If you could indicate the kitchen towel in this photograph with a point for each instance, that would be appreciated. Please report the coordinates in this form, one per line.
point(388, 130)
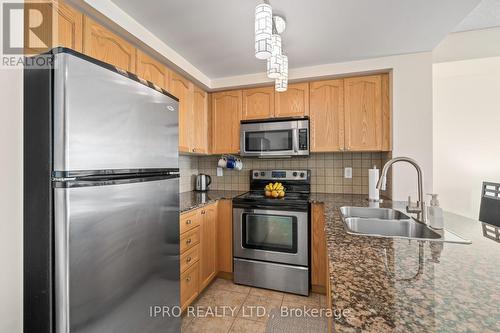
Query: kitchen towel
point(373, 193)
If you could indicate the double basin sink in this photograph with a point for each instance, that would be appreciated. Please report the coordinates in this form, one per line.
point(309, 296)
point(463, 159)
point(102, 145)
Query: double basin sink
point(386, 222)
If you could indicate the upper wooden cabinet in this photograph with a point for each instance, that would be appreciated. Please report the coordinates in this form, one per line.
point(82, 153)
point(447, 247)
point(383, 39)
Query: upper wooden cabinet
point(258, 103)
point(363, 113)
point(226, 115)
point(200, 121)
point(66, 29)
point(152, 70)
point(208, 243)
point(294, 102)
point(327, 116)
point(102, 44)
point(183, 90)
point(386, 114)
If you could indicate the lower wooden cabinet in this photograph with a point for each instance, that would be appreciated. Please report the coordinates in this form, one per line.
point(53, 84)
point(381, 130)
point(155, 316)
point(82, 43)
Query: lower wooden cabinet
point(198, 251)
point(318, 248)
point(189, 285)
point(208, 245)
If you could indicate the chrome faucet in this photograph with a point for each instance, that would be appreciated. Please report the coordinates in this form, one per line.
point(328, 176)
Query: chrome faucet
point(419, 208)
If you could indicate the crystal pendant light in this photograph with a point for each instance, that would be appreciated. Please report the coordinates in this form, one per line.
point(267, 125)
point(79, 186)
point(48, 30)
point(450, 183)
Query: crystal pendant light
point(263, 31)
point(275, 62)
point(281, 83)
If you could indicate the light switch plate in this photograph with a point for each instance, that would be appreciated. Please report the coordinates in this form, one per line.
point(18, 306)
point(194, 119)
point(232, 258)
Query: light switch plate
point(348, 172)
point(220, 173)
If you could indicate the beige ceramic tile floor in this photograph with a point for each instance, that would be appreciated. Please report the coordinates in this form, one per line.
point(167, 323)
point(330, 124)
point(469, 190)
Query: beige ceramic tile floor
point(243, 301)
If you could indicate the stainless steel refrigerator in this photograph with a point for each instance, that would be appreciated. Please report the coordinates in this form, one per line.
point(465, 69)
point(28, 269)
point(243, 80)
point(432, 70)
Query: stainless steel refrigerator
point(101, 199)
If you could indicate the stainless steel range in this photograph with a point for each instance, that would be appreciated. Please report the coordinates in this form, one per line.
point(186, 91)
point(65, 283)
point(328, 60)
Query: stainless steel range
point(271, 236)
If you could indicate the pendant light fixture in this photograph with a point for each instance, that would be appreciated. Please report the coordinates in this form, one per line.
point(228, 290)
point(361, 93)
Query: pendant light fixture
point(281, 83)
point(268, 44)
point(275, 62)
point(263, 31)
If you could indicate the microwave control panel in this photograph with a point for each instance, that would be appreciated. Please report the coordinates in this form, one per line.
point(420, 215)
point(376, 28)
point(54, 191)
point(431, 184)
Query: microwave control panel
point(303, 138)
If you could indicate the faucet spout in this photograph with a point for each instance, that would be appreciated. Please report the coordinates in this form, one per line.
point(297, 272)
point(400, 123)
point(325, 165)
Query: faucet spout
point(419, 209)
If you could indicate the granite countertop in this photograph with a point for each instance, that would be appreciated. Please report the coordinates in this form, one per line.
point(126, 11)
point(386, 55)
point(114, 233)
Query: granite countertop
point(455, 288)
point(191, 200)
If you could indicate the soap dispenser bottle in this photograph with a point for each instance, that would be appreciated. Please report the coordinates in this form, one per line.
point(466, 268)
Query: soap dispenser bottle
point(435, 213)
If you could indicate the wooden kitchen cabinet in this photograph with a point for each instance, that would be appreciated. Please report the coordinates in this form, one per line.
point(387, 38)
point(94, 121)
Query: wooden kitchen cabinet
point(189, 285)
point(225, 236)
point(294, 102)
point(208, 245)
point(152, 70)
point(200, 121)
point(363, 113)
point(226, 115)
point(386, 114)
point(184, 91)
point(104, 45)
point(66, 29)
point(318, 248)
point(327, 115)
point(258, 103)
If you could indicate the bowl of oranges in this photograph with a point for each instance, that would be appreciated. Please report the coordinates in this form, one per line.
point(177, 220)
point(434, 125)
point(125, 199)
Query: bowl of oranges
point(275, 190)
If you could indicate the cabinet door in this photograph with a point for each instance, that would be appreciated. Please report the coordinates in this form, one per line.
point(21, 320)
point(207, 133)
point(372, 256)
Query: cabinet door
point(363, 113)
point(294, 102)
point(226, 115)
point(327, 116)
point(318, 249)
point(258, 103)
point(225, 236)
point(102, 44)
point(183, 90)
point(200, 111)
point(386, 114)
point(66, 30)
point(208, 243)
point(152, 70)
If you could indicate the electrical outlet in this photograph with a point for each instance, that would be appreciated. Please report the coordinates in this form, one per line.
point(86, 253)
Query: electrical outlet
point(220, 172)
point(348, 172)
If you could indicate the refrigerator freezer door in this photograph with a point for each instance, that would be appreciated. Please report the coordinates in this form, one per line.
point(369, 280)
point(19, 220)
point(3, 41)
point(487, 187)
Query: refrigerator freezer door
point(104, 120)
point(117, 255)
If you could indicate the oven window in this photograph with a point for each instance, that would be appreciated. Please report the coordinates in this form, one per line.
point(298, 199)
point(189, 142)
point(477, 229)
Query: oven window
point(268, 141)
point(270, 232)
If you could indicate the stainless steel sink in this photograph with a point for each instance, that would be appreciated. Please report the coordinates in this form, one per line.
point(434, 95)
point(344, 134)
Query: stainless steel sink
point(404, 228)
point(386, 222)
point(373, 213)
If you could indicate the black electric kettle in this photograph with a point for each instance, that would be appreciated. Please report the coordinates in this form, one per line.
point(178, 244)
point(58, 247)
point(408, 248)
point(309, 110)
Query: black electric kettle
point(202, 182)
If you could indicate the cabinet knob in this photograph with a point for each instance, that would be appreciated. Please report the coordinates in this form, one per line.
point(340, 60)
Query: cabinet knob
point(189, 222)
point(188, 279)
point(188, 241)
point(188, 259)
point(203, 212)
point(193, 150)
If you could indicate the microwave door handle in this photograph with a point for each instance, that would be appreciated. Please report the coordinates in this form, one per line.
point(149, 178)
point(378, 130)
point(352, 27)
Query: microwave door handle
point(295, 140)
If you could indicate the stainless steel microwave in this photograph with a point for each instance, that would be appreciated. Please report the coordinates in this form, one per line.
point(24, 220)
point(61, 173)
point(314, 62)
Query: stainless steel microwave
point(283, 137)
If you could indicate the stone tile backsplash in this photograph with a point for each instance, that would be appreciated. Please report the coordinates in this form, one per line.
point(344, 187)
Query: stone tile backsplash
point(327, 171)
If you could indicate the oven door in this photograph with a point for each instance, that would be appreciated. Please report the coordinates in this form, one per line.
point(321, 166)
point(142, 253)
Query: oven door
point(271, 235)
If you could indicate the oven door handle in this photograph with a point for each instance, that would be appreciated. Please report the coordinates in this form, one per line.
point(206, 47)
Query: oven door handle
point(273, 212)
point(295, 140)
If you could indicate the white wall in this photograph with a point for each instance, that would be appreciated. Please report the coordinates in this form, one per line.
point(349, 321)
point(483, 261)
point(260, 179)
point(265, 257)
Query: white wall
point(11, 239)
point(468, 45)
point(466, 131)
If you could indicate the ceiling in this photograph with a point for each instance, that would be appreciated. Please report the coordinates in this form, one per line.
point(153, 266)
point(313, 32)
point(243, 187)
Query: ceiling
point(216, 36)
point(485, 15)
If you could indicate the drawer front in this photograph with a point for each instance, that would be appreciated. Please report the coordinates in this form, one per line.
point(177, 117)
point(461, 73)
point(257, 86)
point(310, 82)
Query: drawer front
point(189, 239)
point(189, 258)
point(189, 220)
point(189, 285)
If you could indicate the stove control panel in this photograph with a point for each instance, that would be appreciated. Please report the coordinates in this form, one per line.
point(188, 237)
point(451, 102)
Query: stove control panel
point(280, 174)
